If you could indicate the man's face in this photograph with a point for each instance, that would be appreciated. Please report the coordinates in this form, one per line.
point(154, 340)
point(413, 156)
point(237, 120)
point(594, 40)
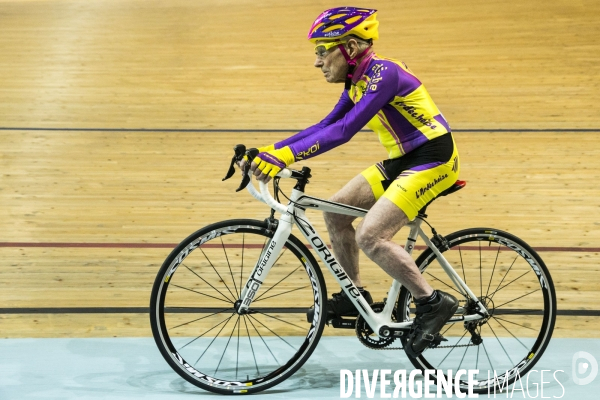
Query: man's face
point(332, 64)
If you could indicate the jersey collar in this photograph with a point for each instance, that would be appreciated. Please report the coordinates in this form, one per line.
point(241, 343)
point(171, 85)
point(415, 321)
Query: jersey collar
point(362, 67)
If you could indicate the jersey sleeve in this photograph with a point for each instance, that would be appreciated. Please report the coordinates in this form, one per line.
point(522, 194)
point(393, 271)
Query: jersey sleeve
point(381, 88)
point(343, 105)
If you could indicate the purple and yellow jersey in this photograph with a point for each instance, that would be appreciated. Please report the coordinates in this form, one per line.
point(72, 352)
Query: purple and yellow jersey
point(389, 99)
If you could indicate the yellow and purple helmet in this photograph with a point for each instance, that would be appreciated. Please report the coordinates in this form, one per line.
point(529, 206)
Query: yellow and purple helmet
point(338, 22)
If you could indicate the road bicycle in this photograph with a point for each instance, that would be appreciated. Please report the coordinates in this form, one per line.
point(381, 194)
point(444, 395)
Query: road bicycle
point(229, 305)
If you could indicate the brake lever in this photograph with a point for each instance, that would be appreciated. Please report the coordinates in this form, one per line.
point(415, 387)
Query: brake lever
point(239, 150)
point(251, 154)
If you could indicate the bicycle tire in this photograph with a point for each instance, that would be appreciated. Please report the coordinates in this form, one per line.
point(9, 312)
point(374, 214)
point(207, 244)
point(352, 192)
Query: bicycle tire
point(192, 304)
point(487, 252)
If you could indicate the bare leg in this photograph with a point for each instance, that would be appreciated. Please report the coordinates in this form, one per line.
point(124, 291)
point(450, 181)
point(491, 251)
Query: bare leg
point(374, 237)
point(342, 235)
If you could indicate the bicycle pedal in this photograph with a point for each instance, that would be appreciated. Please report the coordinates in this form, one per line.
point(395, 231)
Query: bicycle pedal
point(437, 340)
point(343, 323)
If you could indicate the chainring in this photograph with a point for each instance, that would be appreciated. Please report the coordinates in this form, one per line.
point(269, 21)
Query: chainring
point(365, 334)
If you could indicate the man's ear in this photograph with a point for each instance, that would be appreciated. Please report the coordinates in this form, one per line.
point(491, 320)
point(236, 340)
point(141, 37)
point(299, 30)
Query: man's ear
point(352, 48)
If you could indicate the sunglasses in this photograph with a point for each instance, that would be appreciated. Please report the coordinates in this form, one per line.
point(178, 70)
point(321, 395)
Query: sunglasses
point(322, 48)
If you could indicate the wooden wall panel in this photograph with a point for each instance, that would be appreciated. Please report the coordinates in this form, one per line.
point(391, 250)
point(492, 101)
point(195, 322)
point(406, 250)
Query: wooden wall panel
point(221, 66)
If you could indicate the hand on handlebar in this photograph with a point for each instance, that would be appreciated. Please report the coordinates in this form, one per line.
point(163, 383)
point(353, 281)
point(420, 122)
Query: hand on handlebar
point(241, 163)
point(265, 167)
point(268, 163)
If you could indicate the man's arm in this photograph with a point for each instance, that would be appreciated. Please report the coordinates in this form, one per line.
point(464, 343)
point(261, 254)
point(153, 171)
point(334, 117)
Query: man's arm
point(384, 85)
point(342, 107)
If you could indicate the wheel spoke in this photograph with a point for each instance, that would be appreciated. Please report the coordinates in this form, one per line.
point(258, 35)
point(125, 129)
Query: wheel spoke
point(237, 354)
point(447, 329)
point(198, 337)
point(451, 350)
point(516, 279)
point(251, 346)
point(242, 269)
point(284, 278)
point(230, 270)
point(463, 357)
point(197, 292)
point(480, 273)
point(517, 298)
point(517, 311)
point(488, 356)
point(510, 333)
point(505, 275)
point(282, 293)
point(444, 283)
point(514, 323)
point(279, 319)
point(204, 280)
point(227, 344)
point(219, 275)
point(269, 329)
point(198, 319)
point(216, 336)
point(462, 264)
point(280, 255)
point(499, 342)
point(493, 270)
point(261, 338)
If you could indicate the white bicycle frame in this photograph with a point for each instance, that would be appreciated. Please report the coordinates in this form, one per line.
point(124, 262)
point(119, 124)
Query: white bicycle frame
point(294, 213)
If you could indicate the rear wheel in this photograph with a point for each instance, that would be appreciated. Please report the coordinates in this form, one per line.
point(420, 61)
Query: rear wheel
point(195, 324)
point(513, 283)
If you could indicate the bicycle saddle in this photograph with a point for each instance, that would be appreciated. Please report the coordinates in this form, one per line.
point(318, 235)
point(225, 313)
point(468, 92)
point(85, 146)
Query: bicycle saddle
point(454, 188)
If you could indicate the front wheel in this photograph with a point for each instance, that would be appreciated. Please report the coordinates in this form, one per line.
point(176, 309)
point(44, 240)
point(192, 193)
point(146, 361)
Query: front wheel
point(514, 285)
point(193, 317)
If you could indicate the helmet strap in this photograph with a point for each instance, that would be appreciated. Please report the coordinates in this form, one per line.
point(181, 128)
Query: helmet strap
point(351, 64)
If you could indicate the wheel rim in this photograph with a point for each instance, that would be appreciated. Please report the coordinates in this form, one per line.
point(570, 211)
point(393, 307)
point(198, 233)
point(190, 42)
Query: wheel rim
point(208, 341)
point(507, 277)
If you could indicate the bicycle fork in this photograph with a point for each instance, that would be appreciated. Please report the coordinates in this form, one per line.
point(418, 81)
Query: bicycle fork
point(265, 262)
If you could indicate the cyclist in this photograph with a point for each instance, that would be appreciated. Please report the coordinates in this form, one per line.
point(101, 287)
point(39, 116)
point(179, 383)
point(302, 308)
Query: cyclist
point(386, 96)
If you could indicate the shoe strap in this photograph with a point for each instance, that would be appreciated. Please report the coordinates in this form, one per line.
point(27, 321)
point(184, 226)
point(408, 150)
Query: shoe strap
point(421, 309)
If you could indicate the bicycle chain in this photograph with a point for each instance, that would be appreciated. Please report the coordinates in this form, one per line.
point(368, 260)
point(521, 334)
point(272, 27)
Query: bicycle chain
point(402, 348)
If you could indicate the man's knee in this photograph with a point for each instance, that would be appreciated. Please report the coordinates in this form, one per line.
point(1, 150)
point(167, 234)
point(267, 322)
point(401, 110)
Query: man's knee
point(368, 239)
point(379, 227)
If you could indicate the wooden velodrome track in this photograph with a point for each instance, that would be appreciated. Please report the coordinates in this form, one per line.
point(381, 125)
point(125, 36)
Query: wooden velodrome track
point(117, 119)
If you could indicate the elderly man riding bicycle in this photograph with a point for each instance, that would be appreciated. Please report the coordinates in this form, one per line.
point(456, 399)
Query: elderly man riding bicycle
point(386, 96)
